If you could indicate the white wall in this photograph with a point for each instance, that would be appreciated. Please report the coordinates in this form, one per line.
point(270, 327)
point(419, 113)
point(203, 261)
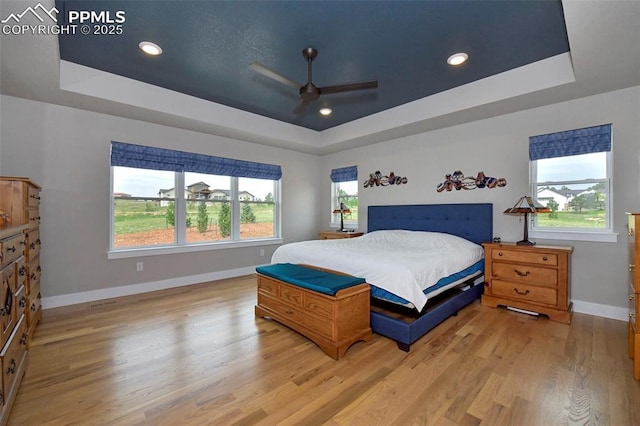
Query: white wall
point(499, 147)
point(67, 152)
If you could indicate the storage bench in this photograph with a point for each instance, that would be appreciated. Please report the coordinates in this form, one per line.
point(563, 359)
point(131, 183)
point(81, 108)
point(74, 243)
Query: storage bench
point(330, 309)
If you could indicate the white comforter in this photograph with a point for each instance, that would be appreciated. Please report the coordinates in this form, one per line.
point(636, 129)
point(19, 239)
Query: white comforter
point(401, 262)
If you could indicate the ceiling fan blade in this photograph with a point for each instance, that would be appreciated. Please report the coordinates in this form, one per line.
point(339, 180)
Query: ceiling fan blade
point(349, 87)
point(268, 72)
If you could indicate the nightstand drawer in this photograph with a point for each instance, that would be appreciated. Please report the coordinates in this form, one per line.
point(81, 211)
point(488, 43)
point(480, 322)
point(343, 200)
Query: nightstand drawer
point(524, 292)
point(526, 257)
point(525, 274)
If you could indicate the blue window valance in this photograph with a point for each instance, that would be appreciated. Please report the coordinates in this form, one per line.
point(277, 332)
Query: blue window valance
point(570, 142)
point(344, 174)
point(146, 157)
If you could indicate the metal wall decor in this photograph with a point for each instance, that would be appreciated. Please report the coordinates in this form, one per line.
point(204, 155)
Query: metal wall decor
point(376, 179)
point(458, 181)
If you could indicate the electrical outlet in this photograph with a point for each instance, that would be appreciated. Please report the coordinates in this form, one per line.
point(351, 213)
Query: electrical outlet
point(139, 266)
point(261, 252)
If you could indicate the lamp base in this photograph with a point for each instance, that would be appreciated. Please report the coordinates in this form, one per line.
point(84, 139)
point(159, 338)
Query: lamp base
point(525, 243)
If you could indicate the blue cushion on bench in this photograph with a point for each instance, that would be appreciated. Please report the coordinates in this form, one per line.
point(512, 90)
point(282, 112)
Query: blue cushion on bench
point(310, 278)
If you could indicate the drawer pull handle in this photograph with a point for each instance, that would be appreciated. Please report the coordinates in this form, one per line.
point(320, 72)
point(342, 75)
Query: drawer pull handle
point(23, 302)
point(499, 253)
point(11, 369)
point(39, 269)
point(521, 293)
point(632, 267)
point(545, 258)
point(22, 271)
point(33, 307)
point(632, 315)
point(632, 296)
point(33, 276)
point(23, 339)
point(11, 249)
point(520, 273)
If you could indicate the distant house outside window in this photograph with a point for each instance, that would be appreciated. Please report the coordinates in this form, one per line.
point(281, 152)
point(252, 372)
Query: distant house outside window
point(571, 175)
point(149, 213)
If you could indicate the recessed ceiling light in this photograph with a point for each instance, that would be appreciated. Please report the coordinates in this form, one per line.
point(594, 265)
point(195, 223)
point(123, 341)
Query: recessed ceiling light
point(326, 111)
point(150, 48)
point(457, 58)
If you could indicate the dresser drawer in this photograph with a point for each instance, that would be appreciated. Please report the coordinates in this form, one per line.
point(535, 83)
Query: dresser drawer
point(21, 301)
point(21, 272)
point(525, 274)
point(33, 243)
point(11, 248)
point(33, 197)
point(526, 257)
point(34, 305)
point(8, 278)
point(35, 271)
point(267, 285)
point(524, 292)
point(33, 217)
point(291, 295)
point(13, 355)
point(297, 316)
point(318, 305)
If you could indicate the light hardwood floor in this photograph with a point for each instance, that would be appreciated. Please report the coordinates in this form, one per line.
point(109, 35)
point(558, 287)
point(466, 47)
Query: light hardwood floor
point(197, 355)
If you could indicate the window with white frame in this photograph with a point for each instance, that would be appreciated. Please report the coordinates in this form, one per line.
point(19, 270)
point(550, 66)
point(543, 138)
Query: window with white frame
point(221, 200)
point(571, 175)
point(344, 196)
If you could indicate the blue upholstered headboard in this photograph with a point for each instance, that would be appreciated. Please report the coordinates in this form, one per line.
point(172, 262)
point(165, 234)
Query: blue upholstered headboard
point(473, 222)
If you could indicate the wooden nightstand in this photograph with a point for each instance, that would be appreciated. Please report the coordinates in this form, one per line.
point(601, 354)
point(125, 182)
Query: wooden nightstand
point(336, 235)
point(534, 278)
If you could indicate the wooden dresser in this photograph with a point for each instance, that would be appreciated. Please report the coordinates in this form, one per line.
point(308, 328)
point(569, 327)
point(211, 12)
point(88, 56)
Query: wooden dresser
point(20, 308)
point(634, 292)
point(534, 278)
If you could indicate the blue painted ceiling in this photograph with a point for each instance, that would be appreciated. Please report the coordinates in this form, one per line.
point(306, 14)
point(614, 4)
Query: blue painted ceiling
point(209, 45)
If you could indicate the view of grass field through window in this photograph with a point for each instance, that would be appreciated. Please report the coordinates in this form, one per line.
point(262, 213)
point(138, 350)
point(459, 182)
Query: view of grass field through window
point(141, 219)
point(575, 189)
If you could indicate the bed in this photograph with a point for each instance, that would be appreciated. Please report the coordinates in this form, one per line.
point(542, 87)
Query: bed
point(404, 314)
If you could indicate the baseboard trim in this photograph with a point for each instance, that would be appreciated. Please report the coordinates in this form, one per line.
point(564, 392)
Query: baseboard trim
point(598, 310)
point(127, 290)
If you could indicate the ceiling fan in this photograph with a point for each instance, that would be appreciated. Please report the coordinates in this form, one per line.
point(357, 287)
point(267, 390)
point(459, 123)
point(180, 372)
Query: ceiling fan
point(310, 92)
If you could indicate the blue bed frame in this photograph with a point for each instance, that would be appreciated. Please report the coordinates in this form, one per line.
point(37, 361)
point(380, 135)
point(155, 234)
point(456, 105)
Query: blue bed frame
point(471, 221)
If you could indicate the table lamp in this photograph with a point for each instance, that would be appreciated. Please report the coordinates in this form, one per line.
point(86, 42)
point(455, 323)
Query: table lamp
point(526, 206)
point(342, 210)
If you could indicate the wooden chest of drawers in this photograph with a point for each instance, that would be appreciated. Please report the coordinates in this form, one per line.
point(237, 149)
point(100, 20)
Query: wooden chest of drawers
point(334, 323)
point(19, 282)
point(533, 278)
point(634, 292)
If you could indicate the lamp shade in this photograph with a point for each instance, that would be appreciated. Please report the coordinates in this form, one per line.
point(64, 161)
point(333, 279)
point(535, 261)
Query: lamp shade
point(526, 206)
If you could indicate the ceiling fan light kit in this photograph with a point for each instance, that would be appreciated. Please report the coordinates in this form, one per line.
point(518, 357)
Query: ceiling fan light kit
point(309, 92)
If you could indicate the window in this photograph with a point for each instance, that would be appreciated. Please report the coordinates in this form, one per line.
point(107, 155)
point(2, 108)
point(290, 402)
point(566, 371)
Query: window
point(344, 189)
point(571, 175)
point(222, 201)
